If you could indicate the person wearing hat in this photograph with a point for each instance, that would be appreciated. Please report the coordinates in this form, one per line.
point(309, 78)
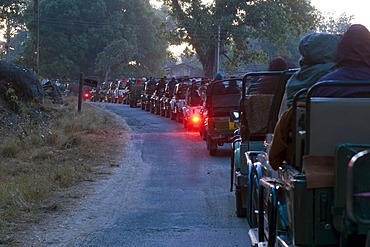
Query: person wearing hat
point(267, 84)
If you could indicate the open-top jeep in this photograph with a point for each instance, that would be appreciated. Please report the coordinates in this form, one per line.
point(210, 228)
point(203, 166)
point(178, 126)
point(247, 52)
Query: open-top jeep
point(135, 94)
point(148, 90)
point(192, 107)
point(258, 114)
point(222, 97)
point(322, 197)
point(178, 100)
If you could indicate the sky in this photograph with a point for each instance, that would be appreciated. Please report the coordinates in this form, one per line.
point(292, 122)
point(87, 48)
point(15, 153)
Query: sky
point(357, 8)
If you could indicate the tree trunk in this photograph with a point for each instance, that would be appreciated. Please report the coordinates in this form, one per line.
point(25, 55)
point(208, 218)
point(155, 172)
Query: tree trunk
point(208, 62)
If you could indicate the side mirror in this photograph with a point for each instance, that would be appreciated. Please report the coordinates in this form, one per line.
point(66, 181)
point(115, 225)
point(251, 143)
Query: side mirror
point(234, 116)
point(234, 120)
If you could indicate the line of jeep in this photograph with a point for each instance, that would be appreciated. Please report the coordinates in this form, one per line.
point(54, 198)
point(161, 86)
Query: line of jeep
point(321, 197)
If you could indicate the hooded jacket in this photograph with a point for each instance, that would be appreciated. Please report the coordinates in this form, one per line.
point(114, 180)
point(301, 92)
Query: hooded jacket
point(318, 57)
point(353, 61)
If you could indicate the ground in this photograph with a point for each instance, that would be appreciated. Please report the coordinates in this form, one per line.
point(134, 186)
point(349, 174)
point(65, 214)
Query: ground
point(30, 227)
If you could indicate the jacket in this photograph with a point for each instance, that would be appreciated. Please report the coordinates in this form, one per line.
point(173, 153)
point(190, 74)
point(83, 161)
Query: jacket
point(353, 61)
point(318, 57)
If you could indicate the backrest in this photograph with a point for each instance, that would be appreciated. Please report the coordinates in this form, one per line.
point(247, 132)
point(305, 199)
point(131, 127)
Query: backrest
point(268, 106)
point(326, 122)
point(218, 101)
point(137, 87)
point(343, 156)
point(218, 89)
point(337, 127)
point(256, 109)
point(226, 100)
point(331, 120)
point(336, 120)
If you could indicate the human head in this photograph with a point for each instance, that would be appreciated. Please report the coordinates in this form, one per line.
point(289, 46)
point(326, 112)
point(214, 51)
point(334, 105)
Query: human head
point(354, 47)
point(278, 64)
point(318, 48)
point(218, 77)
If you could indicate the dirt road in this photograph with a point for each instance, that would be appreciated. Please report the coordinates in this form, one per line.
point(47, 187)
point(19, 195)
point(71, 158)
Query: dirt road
point(167, 191)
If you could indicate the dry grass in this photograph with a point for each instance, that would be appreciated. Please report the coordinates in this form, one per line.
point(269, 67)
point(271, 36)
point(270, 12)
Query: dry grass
point(47, 150)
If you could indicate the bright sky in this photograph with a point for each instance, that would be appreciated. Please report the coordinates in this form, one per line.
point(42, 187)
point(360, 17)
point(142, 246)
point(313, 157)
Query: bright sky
point(357, 8)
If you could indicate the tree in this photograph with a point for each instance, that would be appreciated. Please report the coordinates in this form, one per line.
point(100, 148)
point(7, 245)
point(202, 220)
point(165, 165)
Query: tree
point(141, 49)
point(80, 35)
point(10, 21)
point(328, 23)
point(234, 23)
point(113, 55)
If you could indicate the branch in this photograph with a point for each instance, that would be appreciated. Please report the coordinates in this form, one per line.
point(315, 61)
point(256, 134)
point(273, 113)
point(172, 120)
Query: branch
point(228, 58)
point(180, 13)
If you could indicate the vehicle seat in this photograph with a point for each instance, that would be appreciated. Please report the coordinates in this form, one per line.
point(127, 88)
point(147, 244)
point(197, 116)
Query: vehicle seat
point(218, 88)
point(257, 109)
point(331, 122)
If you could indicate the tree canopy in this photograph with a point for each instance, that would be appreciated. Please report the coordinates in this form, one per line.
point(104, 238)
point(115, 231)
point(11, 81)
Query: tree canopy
point(235, 23)
point(10, 20)
point(111, 38)
point(107, 38)
point(328, 23)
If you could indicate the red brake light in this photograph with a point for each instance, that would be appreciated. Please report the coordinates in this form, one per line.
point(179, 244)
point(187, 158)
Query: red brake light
point(195, 119)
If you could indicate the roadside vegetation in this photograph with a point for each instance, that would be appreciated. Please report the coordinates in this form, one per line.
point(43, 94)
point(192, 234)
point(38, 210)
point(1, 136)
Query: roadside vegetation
point(47, 150)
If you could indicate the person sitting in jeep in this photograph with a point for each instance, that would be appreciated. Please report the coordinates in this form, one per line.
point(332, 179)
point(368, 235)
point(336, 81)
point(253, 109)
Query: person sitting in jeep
point(194, 99)
point(232, 88)
point(171, 86)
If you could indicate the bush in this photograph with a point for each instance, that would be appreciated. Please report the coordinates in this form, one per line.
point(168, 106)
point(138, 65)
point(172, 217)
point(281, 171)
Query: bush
point(50, 148)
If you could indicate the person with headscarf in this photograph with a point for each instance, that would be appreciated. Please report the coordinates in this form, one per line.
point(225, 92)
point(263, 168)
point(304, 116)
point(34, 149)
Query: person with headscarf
point(318, 58)
point(353, 62)
point(318, 54)
point(268, 84)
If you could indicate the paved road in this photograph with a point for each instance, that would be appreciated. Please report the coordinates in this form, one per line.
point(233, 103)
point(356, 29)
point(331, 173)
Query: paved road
point(168, 191)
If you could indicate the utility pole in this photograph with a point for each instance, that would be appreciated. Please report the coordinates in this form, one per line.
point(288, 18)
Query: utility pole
point(7, 34)
point(37, 36)
point(80, 88)
point(218, 49)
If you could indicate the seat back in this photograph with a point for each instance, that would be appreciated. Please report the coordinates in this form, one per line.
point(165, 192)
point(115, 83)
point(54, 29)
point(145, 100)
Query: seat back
point(336, 120)
point(220, 102)
point(337, 127)
point(256, 109)
point(331, 121)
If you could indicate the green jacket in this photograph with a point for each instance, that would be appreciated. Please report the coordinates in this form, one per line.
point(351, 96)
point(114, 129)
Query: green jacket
point(318, 57)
